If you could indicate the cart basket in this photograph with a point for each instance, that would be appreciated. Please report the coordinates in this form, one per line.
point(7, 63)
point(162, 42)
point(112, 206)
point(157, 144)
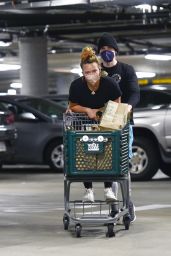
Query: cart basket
point(89, 152)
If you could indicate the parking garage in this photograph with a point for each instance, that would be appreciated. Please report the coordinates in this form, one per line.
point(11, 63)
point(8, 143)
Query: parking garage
point(43, 41)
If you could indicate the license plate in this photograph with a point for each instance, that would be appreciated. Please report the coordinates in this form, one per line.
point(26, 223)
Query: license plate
point(2, 146)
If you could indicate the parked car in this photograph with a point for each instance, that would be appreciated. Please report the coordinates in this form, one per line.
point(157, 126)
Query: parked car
point(8, 135)
point(152, 133)
point(40, 130)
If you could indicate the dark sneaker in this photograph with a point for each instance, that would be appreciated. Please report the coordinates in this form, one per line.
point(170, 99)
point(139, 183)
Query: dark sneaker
point(132, 211)
point(114, 210)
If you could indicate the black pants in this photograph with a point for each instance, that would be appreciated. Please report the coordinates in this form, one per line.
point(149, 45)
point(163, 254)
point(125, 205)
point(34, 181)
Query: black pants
point(89, 184)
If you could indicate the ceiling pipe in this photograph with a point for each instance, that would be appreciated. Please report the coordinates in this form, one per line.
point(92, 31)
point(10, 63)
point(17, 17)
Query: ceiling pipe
point(63, 3)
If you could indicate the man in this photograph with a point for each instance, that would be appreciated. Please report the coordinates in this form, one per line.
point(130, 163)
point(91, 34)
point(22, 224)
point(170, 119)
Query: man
point(126, 78)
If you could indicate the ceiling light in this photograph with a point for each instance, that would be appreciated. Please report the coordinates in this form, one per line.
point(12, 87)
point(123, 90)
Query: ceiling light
point(53, 51)
point(4, 44)
point(11, 91)
point(16, 85)
point(145, 74)
point(6, 67)
point(158, 57)
point(146, 7)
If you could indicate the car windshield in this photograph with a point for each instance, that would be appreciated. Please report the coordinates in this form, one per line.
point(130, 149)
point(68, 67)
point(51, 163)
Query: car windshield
point(62, 100)
point(44, 106)
point(63, 103)
point(150, 98)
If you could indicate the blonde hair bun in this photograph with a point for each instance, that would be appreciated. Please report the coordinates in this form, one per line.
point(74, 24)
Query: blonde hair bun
point(88, 55)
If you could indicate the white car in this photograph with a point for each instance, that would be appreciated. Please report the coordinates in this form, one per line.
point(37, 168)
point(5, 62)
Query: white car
point(152, 133)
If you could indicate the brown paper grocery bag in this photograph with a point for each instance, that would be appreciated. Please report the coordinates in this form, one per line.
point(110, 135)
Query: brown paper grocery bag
point(115, 116)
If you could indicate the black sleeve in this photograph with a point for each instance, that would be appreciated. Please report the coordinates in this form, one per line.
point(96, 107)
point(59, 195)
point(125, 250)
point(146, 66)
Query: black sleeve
point(73, 93)
point(115, 91)
point(133, 90)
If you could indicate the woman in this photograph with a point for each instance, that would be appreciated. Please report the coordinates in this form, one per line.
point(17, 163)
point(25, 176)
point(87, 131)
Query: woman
point(87, 95)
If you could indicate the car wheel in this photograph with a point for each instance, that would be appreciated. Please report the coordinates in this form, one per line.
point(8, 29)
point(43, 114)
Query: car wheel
point(144, 163)
point(166, 169)
point(54, 155)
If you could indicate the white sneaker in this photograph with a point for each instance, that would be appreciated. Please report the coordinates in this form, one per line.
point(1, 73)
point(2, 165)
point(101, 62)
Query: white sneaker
point(109, 195)
point(89, 195)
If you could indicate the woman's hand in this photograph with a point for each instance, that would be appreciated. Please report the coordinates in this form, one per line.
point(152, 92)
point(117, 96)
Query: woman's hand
point(68, 111)
point(91, 113)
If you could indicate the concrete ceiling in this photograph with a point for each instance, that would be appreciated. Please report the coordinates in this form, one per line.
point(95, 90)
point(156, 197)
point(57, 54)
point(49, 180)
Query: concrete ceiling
point(70, 25)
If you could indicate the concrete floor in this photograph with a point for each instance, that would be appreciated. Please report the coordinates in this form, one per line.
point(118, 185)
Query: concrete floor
point(32, 211)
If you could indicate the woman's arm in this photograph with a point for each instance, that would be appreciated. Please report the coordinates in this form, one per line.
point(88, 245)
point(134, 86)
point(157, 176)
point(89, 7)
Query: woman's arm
point(80, 109)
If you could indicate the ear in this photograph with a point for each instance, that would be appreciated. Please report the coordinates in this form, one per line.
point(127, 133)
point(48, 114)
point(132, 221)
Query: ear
point(116, 53)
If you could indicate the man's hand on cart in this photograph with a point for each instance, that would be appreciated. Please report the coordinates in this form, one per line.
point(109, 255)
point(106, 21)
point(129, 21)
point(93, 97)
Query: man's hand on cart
point(129, 108)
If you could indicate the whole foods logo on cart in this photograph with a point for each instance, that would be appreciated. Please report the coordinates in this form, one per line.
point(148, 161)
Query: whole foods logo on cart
point(93, 147)
point(93, 144)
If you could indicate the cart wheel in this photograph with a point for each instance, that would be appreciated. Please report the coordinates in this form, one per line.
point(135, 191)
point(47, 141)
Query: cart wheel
point(126, 221)
point(110, 230)
point(66, 222)
point(78, 229)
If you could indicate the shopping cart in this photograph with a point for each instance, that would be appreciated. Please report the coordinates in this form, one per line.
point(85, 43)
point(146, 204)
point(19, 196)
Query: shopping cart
point(96, 156)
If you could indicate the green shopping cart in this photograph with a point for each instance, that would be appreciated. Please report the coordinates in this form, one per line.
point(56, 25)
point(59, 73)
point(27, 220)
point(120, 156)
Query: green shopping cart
point(91, 155)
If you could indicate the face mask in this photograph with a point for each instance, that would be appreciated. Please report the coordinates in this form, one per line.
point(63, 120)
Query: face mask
point(92, 78)
point(107, 56)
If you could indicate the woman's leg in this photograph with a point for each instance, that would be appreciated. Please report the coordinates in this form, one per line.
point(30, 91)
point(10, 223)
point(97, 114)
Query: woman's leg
point(88, 185)
point(89, 193)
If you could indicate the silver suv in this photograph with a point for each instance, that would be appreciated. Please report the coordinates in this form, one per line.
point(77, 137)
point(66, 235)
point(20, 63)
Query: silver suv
point(152, 133)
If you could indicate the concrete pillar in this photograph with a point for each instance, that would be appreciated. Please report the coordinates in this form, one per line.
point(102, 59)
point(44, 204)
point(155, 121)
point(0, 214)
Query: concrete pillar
point(63, 82)
point(34, 71)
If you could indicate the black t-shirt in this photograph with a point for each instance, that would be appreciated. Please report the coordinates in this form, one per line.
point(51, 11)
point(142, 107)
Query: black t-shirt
point(126, 78)
point(80, 93)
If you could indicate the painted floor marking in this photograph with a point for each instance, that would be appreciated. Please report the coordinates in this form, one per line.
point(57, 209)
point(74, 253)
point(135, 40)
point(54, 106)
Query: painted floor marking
point(49, 208)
